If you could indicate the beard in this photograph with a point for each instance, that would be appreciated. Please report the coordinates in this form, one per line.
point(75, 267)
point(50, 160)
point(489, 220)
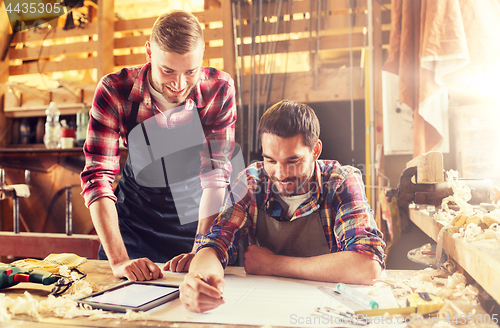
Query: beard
point(168, 94)
point(296, 184)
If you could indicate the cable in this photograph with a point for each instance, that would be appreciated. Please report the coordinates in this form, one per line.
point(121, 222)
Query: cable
point(289, 29)
point(380, 3)
point(351, 78)
point(40, 55)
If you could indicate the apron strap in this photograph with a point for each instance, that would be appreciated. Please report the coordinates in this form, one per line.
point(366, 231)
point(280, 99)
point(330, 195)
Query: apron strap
point(132, 119)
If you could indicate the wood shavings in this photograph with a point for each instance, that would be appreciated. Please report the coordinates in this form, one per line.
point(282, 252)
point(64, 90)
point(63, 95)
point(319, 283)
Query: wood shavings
point(449, 310)
point(80, 288)
point(4, 315)
point(61, 307)
point(24, 305)
point(398, 287)
point(135, 316)
point(461, 193)
point(439, 282)
point(468, 223)
point(374, 291)
point(474, 232)
point(450, 266)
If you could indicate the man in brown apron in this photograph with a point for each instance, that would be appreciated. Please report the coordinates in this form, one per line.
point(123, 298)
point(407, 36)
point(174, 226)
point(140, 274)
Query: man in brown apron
point(305, 218)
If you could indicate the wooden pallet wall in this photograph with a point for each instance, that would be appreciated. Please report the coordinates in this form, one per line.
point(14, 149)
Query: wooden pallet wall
point(294, 31)
point(318, 28)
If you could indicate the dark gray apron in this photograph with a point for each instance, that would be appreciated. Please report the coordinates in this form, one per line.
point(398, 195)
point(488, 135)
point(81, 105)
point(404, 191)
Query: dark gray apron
point(148, 217)
point(303, 237)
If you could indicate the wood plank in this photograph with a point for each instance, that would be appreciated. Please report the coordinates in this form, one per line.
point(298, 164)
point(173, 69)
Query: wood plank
point(4, 75)
point(56, 33)
point(209, 15)
point(335, 8)
point(427, 224)
point(302, 26)
point(210, 34)
point(137, 59)
point(55, 50)
point(135, 24)
point(333, 86)
point(298, 7)
point(140, 40)
point(481, 263)
point(39, 245)
point(130, 60)
point(131, 41)
point(33, 111)
point(105, 41)
point(327, 42)
point(212, 15)
point(228, 53)
point(429, 167)
point(53, 66)
point(100, 275)
point(378, 61)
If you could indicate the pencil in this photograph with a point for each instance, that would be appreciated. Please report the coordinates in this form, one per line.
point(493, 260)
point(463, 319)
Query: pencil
point(199, 276)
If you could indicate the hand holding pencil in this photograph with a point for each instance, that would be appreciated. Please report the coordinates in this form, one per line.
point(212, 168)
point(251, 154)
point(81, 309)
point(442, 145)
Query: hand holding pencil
point(200, 294)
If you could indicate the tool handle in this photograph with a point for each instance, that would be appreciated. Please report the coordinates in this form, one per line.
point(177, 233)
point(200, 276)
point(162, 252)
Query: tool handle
point(7, 273)
point(43, 277)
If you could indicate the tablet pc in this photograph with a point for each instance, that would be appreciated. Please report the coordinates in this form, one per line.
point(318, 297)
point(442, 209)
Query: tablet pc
point(131, 295)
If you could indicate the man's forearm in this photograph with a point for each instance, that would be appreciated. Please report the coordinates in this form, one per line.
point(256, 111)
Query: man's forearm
point(210, 204)
point(105, 219)
point(207, 263)
point(346, 267)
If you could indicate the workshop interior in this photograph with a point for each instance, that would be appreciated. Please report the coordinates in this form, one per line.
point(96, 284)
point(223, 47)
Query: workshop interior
point(405, 91)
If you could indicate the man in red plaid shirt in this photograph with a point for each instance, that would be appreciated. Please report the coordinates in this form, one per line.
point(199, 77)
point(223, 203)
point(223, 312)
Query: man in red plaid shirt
point(177, 120)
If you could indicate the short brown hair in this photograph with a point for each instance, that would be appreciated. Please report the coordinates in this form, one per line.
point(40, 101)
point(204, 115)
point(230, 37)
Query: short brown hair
point(288, 118)
point(177, 31)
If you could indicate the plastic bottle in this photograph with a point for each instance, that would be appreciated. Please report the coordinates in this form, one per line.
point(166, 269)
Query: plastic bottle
point(25, 131)
point(82, 122)
point(39, 130)
point(52, 127)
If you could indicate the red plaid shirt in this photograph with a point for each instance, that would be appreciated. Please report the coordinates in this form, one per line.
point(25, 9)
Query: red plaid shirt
point(213, 96)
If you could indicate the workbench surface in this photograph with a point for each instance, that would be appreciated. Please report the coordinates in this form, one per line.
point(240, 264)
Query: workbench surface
point(479, 259)
point(99, 273)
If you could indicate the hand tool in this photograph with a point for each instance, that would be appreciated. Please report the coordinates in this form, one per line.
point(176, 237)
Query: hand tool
point(11, 275)
point(422, 303)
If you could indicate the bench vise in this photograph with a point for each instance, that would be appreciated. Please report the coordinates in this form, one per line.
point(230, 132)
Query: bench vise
point(408, 192)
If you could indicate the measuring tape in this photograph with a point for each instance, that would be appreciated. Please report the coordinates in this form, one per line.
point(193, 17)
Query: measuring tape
point(422, 303)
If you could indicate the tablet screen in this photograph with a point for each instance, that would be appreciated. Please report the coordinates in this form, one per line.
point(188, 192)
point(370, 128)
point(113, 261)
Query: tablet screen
point(132, 295)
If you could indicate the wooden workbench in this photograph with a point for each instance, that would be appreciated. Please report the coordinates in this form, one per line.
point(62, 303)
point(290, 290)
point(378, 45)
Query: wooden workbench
point(481, 263)
point(99, 273)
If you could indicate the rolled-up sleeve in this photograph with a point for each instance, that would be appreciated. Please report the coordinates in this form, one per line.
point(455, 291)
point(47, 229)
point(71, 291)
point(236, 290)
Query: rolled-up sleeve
point(355, 228)
point(101, 148)
point(235, 220)
point(219, 142)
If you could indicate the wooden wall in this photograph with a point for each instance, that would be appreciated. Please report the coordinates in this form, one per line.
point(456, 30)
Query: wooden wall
point(321, 35)
point(315, 30)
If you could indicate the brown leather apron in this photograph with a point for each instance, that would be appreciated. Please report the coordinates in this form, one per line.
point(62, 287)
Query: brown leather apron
point(303, 237)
